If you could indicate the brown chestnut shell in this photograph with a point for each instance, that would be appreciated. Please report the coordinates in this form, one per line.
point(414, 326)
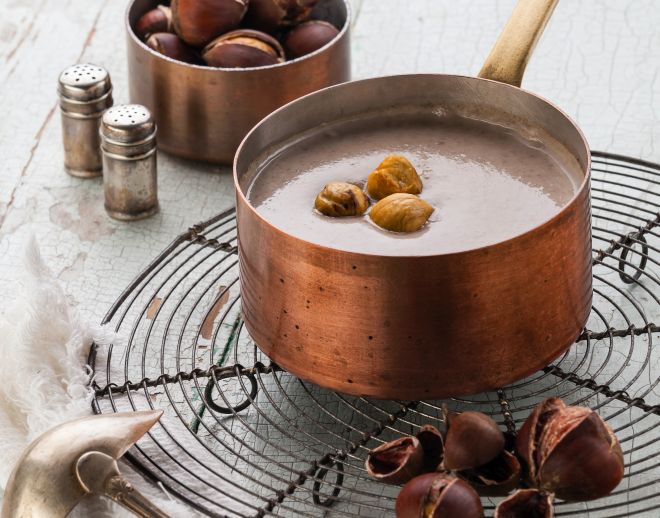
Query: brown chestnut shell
point(170, 45)
point(525, 503)
point(197, 22)
point(271, 15)
point(570, 452)
point(396, 462)
point(309, 37)
point(433, 446)
point(473, 439)
point(497, 478)
point(156, 20)
point(243, 48)
point(438, 495)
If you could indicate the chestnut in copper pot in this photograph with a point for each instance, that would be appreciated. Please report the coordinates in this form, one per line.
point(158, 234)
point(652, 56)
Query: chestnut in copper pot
point(170, 45)
point(473, 439)
point(156, 20)
point(570, 451)
point(309, 37)
point(272, 15)
point(525, 503)
point(397, 461)
point(197, 22)
point(438, 495)
point(243, 48)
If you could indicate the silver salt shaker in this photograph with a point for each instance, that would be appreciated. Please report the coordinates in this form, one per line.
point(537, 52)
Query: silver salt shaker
point(128, 142)
point(85, 92)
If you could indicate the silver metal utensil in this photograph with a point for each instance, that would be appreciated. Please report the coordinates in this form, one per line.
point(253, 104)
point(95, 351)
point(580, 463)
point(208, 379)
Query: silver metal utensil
point(75, 459)
point(85, 92)
point(128, 142)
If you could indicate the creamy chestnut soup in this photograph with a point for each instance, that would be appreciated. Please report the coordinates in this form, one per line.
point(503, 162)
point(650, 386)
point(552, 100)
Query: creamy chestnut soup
point(486, 182)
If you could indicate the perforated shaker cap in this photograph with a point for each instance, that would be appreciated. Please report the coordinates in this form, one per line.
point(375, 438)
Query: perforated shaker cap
point(127, 124)
point(84, 82)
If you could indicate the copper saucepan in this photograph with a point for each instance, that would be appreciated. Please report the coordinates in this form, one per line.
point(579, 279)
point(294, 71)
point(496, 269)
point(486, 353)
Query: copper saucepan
point(432, 326)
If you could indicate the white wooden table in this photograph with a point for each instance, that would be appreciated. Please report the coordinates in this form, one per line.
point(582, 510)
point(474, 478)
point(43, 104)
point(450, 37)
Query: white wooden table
point(598, 60)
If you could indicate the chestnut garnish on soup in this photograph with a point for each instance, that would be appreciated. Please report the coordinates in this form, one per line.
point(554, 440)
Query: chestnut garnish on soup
point(485, 183)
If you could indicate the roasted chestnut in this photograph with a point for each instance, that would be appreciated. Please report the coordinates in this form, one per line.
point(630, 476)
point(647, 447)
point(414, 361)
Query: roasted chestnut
point(498, 477)
point(339, 199)
point(401, 213)
point(570, 451)
point(397, 461)
point(156, 20)
point(243, 48)
point(394, 174)
point(438, 495)
point(197, 22)
point(525, 503)
point(170, 45)
point(473, 439)
point(271, 15)
point(309, 37)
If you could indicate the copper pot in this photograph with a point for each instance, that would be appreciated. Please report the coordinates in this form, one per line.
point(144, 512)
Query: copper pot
point(432, 326)
point(203, 113)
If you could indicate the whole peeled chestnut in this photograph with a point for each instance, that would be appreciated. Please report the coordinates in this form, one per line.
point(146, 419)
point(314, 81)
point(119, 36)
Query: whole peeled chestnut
point(243, 48)
point(156, 20)
point(197, 22)
point(438, 495)
point(170, 45)
point(525, 503)
point(570, 451)
point(395, 174)
point(341, 199)
point(396, 461)
point(473, 439)
point(271, 15)
point(309, 37)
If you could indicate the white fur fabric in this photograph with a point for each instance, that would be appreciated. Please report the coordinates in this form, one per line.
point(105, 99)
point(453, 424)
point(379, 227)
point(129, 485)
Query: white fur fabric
point(44, 345)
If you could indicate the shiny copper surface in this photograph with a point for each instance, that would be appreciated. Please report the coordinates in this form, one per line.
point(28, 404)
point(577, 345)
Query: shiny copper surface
point(419, 327)
point(203, 113)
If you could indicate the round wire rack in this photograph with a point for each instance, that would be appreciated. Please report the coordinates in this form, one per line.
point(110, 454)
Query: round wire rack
point(241, 437)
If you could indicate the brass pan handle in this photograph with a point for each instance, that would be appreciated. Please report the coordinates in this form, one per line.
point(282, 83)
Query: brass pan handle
point(507, 60)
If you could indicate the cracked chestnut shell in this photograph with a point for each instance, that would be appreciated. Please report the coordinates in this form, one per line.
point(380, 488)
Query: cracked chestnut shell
point(433, 445)
point(396, 462)
point(525, 503)
point(394, 174)
point(197, 22)
point(156, 20)
point(243, 48)
point(570, 451)
point(401, 213)
point(340, 199)
point(170, 45)
point(271, 15)
point(309, 37)
point(473, 439)
point(438, 495)
point(498, 477)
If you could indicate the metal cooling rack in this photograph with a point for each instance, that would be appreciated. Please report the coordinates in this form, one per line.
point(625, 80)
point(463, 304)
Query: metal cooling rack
point(241, 437)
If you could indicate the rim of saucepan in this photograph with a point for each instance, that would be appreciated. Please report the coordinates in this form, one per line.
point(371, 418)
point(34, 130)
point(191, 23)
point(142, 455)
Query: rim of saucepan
point(344, 29)
point(578, 192)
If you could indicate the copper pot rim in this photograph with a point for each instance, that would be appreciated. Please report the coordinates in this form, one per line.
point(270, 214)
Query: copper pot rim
point(344, 29)
point(584, 185)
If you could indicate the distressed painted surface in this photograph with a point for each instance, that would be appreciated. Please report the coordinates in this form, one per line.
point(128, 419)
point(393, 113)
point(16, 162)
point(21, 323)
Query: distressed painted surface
point(598, 60)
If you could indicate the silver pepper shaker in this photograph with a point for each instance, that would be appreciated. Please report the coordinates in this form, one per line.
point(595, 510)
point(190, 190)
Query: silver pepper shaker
point(85, 92)
point(128, 142)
